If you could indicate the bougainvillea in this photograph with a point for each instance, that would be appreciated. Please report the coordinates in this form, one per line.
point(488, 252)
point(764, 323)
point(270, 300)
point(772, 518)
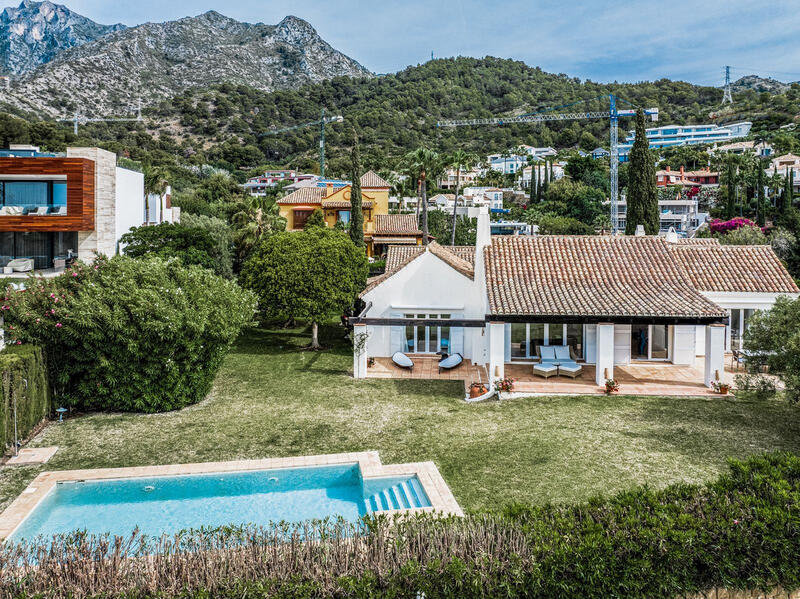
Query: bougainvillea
point(724, 226)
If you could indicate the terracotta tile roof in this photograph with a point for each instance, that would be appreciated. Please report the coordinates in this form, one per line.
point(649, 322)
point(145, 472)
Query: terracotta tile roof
point(407, 240)
point(396, 224)
point(344, 204)
point(304, 195)
point(397, 254)
point(463, 266)
point(595, 276)
point(711, 266)
point(373, 180)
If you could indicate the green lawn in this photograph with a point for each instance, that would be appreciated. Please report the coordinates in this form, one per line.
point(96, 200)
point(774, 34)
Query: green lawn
point(273, 399)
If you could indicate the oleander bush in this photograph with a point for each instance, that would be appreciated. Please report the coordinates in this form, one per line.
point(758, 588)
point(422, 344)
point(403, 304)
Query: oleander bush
point(23, 381)
point(144, 335)
point(739, 532)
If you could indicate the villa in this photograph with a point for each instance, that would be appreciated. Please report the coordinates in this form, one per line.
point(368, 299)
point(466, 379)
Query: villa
point(613, 301)
point(58, 207)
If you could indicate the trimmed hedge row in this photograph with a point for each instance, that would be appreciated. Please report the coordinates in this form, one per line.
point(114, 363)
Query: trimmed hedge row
point(740, 532)
point(18, 364)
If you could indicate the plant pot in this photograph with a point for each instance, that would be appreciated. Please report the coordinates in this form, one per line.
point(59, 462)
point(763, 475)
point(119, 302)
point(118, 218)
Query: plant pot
point(724, 389)
point(477, 389)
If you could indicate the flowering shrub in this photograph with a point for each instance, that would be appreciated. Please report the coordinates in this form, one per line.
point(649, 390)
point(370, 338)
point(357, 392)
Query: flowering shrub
point(724, 226)
point(130, 334)
point(612, 386)
point(506, 385)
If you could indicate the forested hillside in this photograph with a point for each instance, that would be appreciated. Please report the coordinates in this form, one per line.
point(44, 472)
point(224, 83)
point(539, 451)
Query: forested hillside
point(224, 125)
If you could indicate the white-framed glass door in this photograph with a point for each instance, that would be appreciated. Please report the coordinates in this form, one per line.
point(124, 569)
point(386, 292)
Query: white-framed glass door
point(426, 339)
point(650, 342)
point(525, 338)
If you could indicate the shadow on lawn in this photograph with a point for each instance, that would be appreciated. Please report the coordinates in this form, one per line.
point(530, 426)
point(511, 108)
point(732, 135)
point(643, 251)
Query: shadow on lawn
point(275, 341)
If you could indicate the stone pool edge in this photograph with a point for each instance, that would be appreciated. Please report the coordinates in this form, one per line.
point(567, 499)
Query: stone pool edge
point(441, 498)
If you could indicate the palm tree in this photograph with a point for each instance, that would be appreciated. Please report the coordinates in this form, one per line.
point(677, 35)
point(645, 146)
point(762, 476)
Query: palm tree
point(427, 164)
point(155, 182)
point(258, 217)
point(458, 160)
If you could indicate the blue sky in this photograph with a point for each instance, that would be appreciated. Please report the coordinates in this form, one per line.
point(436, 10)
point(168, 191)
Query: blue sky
point(606, 40)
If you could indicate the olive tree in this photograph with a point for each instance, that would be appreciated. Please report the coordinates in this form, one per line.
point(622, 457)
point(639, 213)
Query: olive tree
point(313, 274)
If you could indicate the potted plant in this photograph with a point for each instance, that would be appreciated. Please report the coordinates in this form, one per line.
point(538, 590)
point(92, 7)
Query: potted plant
point(477, 389)
point(505, 385)
point(612, 386)
point(721, 388)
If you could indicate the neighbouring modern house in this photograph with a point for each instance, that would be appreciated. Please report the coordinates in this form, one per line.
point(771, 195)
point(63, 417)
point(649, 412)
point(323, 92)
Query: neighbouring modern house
point(158, 208)
point(258, 186)
point(468, 177)
point(332, 196)
point(762, 149)
point(512, 163)
point(54, 208)
point(611, 300)
point(598, 153)
point(491, 197)
point(670, 136)
point(786, 164)
point(684, 178)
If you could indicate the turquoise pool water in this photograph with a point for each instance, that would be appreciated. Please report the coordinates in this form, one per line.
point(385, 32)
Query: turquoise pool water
point(169, 504)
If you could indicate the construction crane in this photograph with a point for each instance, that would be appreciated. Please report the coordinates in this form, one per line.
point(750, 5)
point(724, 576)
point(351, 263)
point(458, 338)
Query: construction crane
point(613, 114)
point(323, 120)
point(82, 120)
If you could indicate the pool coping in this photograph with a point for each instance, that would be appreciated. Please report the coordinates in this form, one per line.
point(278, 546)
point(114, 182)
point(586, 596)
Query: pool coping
point(441, 498)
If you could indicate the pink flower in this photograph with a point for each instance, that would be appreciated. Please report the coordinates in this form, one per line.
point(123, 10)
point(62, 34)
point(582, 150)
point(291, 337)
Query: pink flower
point(19, 342)
point(736, 522)
point(52, 310)
point(74, 274)
point(58, 325)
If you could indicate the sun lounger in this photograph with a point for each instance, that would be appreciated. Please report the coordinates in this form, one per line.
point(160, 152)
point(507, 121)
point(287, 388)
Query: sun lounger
point(402, 360)
point(450, 362)
point(545, 369)
point(570, 369)
point(21, 264)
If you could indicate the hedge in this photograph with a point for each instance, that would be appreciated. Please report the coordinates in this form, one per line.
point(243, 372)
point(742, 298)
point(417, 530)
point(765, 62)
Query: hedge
point(17, 365)
point(739, 532)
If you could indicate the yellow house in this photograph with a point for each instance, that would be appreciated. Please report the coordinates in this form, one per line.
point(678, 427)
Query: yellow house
point(333, 198)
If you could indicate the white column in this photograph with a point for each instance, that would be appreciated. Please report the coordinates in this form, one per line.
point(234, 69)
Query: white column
point(605, 353)
point(683, 344)
point(715, 353)
point(360, 351)
point(497, 347)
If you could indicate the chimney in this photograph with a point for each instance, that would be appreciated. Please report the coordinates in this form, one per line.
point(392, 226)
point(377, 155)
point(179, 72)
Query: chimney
point(681, 172)
point(328, 190)
point(484, 233)
point(639, 231)
point(672, 236)
point(667, 168)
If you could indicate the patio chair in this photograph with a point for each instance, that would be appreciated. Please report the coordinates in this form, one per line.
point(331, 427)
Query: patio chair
point(570, 369)
point(545, 369)
point(451, 362)
point(402, 360)
point(40, 211)
point(547, 353)
point(21, 264)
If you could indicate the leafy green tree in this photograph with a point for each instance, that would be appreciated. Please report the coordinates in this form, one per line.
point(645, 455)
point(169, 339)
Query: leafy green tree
point(642, 196)
point(222, 238)
point(356, 213)
point(144, 335)
point(459, 160)
point(189, 245)
point(775, 334)
point(440, 228)
point(313, 274)
point(257, 218)
point(315, 221)
point(572, 199)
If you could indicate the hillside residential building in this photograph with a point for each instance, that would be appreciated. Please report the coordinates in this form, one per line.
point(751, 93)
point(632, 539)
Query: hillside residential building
point(332, 196)
point(680, 213)
point(786, 164)
point(54, 208)
point(670, 136)
point(258, 186)
point(509, 165)
point(761, 149)
point(684, 178)
point(468, 177)
point(598, 153)
point(611, 300)
point(491, 197)
point(158, 208)
point(540, 172)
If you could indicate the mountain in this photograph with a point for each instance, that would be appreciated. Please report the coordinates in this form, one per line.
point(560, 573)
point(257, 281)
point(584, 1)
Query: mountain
point(36, 32)
point(158, 60)
point(759, 84)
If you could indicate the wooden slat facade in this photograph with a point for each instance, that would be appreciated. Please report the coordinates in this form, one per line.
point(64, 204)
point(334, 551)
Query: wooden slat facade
point(80, 194)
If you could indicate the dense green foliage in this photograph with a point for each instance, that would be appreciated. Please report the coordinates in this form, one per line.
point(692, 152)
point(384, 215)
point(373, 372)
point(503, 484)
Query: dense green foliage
point(739, 533)
point(314, 274)
point(24, 384)
point(190, 245)
point(440, 227)
point(221, 251)
point(642, 195)
point(131, 334)
point(776, 335)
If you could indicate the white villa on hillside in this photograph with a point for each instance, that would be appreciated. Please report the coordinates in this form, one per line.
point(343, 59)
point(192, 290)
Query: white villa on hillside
point(612, 300)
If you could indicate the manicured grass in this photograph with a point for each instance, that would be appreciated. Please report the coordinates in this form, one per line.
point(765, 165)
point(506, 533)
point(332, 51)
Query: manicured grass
point(273, 399)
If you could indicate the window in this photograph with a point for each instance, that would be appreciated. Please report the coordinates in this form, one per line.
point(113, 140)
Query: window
point(556, 334)
point(59, 194)
point(519, 340)
point(575, 339)
point(300, 217)
point(343, 216)
point(537, 337)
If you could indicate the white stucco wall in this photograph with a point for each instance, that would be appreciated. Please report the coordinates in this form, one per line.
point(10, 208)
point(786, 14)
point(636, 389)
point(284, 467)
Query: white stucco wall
point(426, 285)
point(130, 201)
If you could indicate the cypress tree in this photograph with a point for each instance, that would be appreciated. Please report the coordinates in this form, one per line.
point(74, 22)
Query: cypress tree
point(730, 204)
point(356, 213)
point(642, 192)
point(761, 208)
point(551, 171)
point(789, 191)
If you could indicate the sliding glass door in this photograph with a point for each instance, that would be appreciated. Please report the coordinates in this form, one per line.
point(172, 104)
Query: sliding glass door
point(424, 339)
point(650, 342)
point(526, 338)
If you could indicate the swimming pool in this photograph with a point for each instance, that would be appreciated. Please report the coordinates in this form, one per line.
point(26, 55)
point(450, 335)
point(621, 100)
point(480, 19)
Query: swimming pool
point(168, 504)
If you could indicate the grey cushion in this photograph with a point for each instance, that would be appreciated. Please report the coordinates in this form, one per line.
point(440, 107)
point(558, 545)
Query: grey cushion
point(451, 361)
point(544, 367)
point(570, 367)
point(547, 353)
point(402, 360)
point(562, 352)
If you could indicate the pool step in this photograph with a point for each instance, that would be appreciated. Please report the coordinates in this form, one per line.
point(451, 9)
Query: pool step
point(404, 495)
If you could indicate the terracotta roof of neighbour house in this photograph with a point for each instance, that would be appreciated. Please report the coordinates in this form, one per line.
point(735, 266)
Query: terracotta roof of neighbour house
point(594, 276)
point(304, 195)
point(373, 180)
point(396, 224)
point(732, 268)
point(461, 258)
point(697, 241)
point(396, 254)
point(344, 204)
